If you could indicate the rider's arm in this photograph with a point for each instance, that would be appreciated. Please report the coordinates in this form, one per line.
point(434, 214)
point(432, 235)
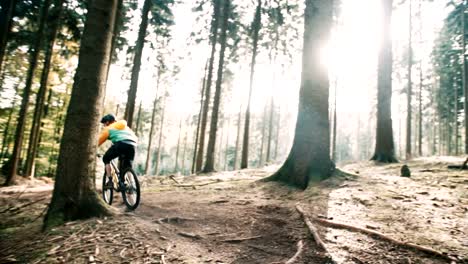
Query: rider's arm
point(103, 136)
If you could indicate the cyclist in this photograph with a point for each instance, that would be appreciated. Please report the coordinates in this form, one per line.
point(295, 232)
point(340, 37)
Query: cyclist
point(123, 138)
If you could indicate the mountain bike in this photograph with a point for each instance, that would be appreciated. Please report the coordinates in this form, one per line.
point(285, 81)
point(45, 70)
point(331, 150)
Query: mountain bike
point(124, 180)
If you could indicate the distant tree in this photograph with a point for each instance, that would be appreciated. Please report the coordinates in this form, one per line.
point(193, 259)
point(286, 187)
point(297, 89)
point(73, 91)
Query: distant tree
point(41, 94)
point(20, 127)
point(256, 25)
point(74, 195)
point(384, 147)
point(309, 158)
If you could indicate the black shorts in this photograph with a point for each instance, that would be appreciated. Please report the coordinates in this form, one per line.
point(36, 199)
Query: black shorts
point(118, 149)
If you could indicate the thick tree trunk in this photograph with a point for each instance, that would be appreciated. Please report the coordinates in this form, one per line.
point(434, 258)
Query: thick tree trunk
point(34, 55)
point(197, 132)
point(41, 94)
point(150, 137)
point(384, 147)
point(214, 40)
point(236, 153)
point(74, 195)
point(130, 107)
point(309, 159)
point(209, 164)
point(409, 89)
point(6, 18)
point(256, 28)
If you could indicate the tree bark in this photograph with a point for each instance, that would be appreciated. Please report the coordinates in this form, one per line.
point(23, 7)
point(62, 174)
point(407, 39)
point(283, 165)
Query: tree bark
point(41, 94)
point(256, 28)
point(6, 19)
point(209, 164)
point(334, 123)
point(34, 55)
point(309, 159)
point(74, 196)
point(384, 147)
point(206, 103)
point(409, 89)
point(130, 107)
point(264, 119)
point(137, 128)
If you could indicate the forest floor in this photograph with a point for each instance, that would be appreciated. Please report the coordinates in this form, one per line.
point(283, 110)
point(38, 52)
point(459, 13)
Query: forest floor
point(231, 217)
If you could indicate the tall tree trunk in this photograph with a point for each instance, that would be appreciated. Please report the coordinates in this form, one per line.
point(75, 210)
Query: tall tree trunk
point(256, 28)
point(150, 137)
point(309, 159)
point(236, 153)
point(161, 127)
point(130, 107)
point(384, 147)
point(74, 195)
point(214, 40)
point(34, 55)
point(409, 90)
point(197, 132)
point(41, 94)
point(6, 18)
point(420, 111)
point(209, 164)
point(176, 167)
point(220, 146)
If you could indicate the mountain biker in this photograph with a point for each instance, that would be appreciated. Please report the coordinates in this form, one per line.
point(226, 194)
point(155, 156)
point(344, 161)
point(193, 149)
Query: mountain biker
point(123, 138)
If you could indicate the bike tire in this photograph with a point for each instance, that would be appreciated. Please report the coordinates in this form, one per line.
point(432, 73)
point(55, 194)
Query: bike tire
point(107, 192)
point(131, 192)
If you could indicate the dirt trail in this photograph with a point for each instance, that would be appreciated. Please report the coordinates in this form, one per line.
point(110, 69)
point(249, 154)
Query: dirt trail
point(232, 218)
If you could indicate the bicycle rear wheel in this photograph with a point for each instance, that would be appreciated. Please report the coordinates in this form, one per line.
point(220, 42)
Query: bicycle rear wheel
point(107, 189)
point(131, 192)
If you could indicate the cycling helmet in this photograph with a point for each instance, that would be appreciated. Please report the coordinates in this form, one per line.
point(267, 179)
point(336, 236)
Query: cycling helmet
point(108, 118)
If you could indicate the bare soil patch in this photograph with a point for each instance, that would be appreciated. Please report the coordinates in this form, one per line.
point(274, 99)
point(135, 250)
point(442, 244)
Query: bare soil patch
point(230, 217)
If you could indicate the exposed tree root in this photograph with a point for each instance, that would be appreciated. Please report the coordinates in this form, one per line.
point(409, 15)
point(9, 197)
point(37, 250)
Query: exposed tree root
point(235, 240)
point(17, 209)
point(383, 237)
point(300, 249)
point(196, 185)
point(312, 229)
point(385, 158)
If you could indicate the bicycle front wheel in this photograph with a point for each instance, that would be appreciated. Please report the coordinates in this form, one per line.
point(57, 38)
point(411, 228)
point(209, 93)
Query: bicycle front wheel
point(107, 189)
point(131, 191)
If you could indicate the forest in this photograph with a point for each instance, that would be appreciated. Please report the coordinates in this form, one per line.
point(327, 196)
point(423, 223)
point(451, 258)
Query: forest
point(264, 131)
